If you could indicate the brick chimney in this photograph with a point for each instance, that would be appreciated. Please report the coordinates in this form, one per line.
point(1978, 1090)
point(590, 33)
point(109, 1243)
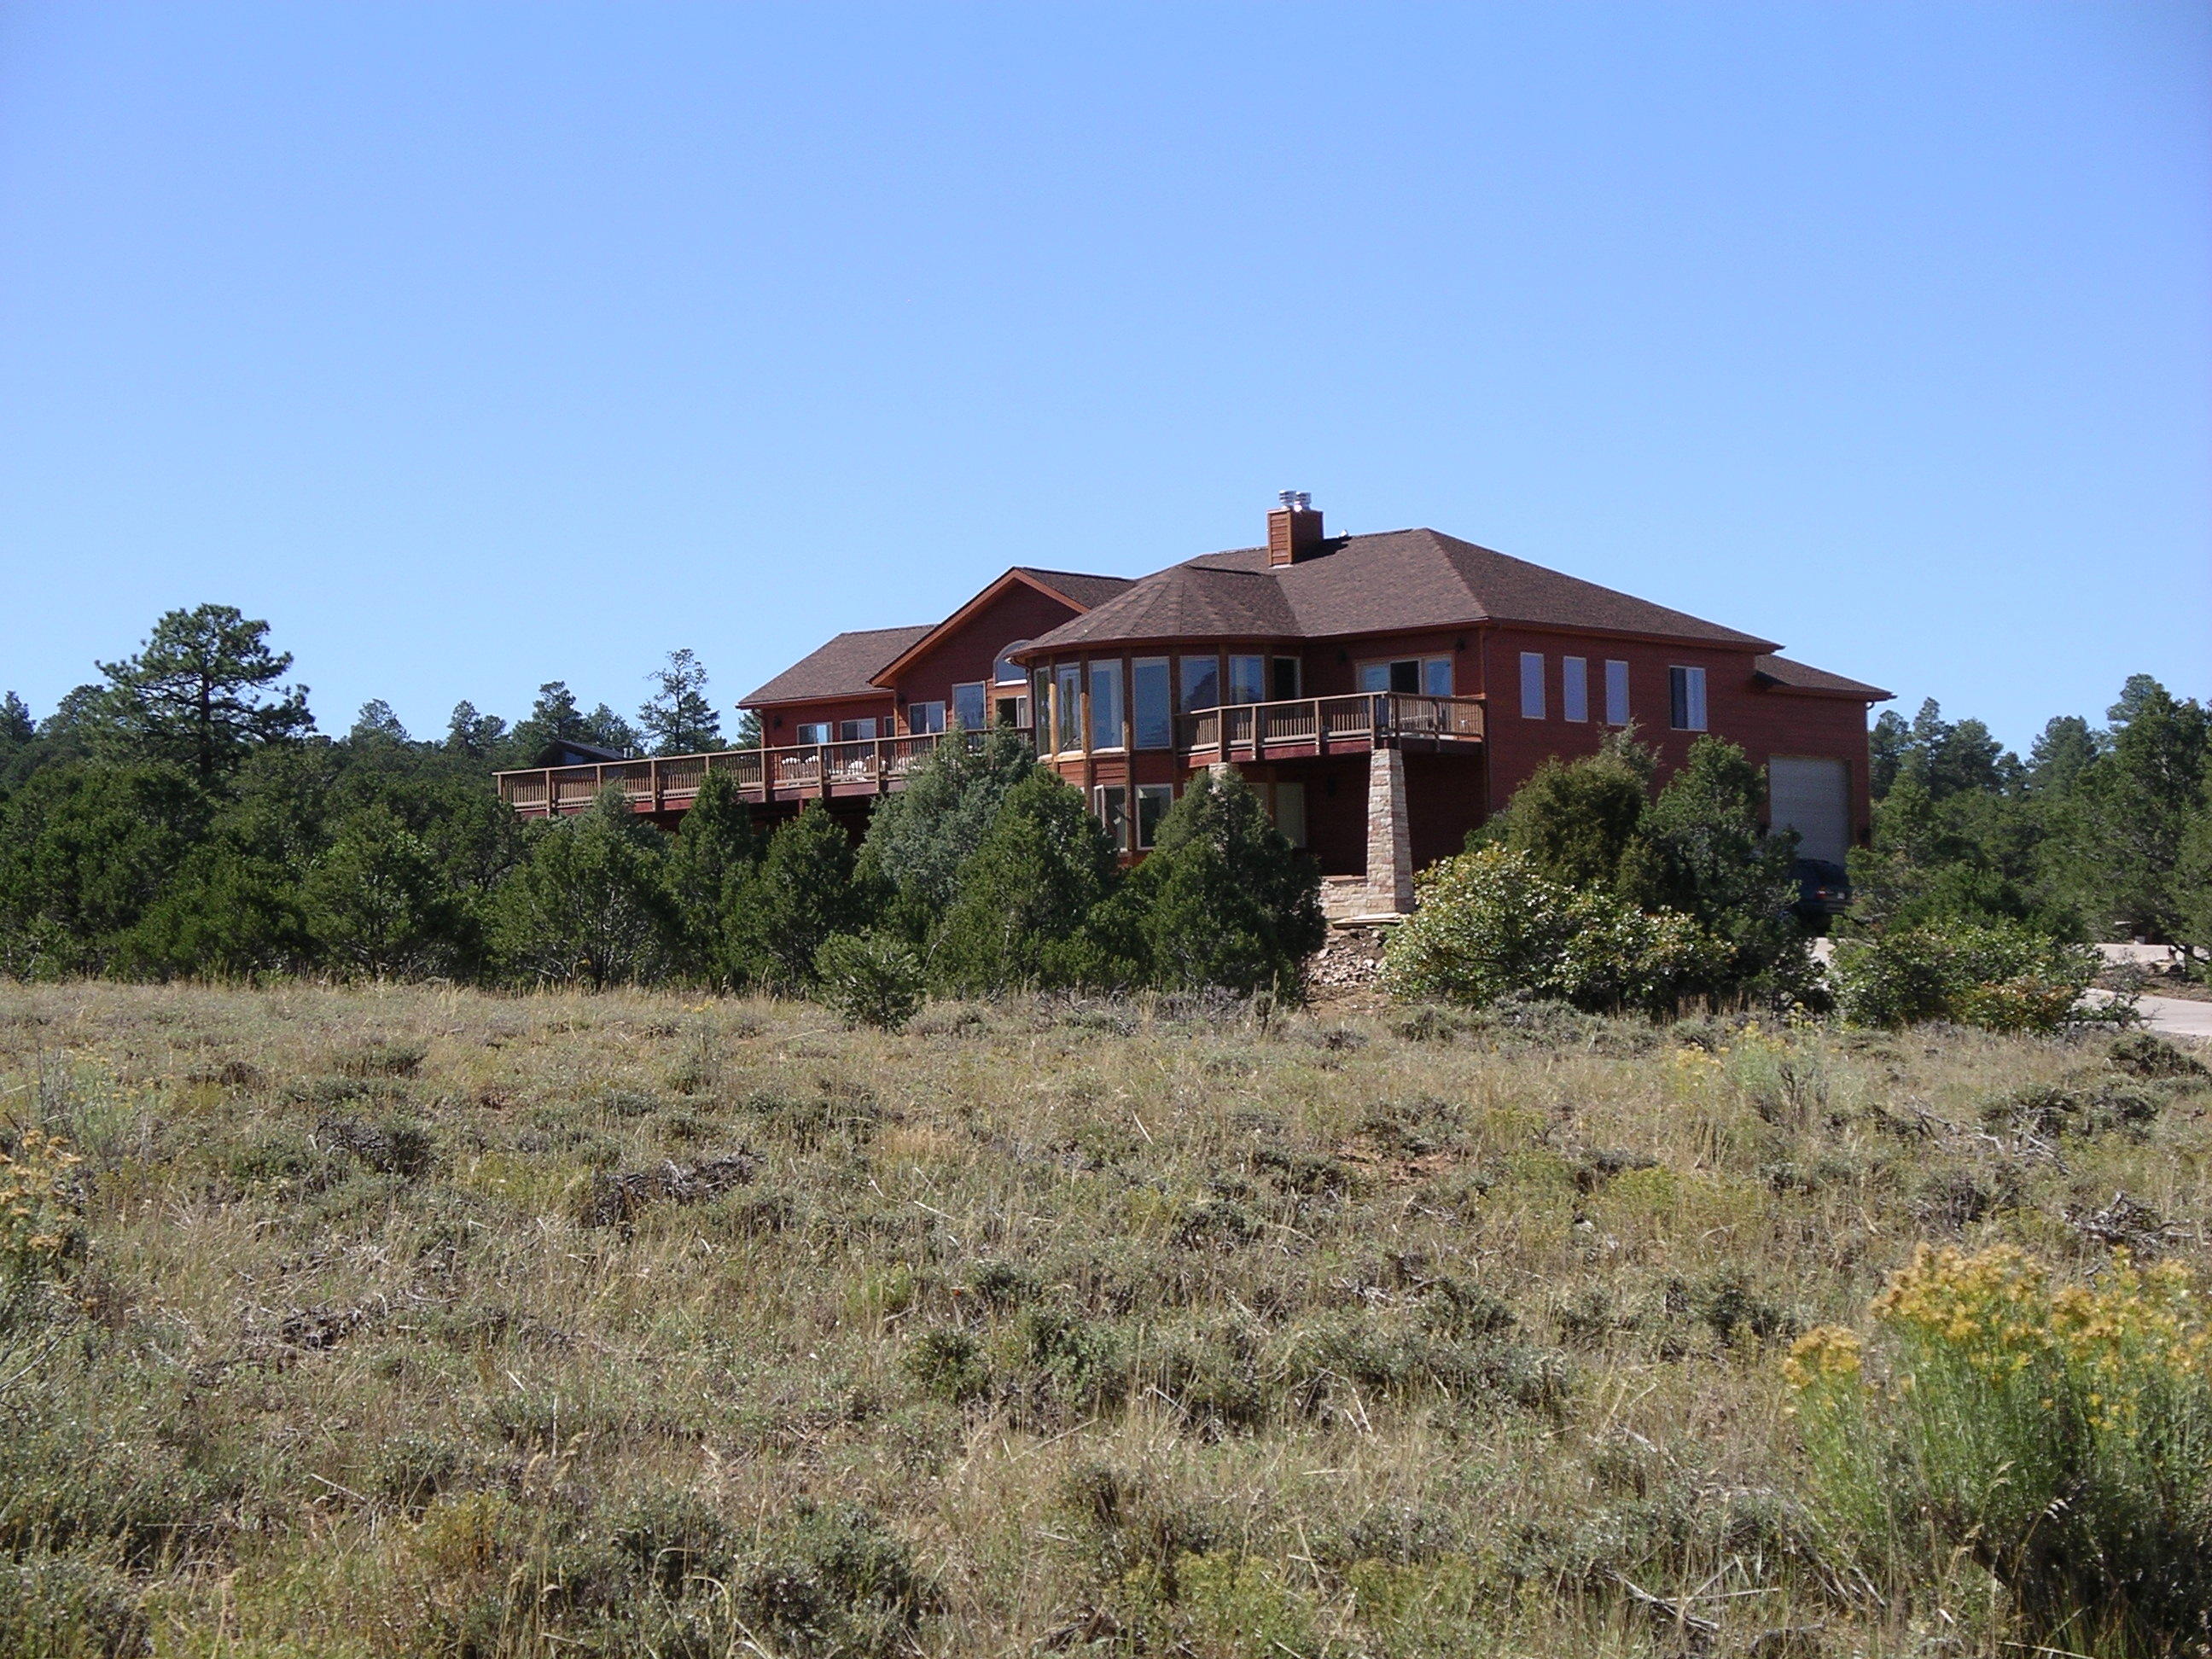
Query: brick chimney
point(1293, 529)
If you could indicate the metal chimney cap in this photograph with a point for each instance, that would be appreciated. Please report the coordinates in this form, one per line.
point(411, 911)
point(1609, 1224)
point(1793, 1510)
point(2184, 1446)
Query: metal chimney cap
point(1297, 500)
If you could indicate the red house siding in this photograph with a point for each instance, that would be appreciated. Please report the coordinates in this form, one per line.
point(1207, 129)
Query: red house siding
point(965, 653)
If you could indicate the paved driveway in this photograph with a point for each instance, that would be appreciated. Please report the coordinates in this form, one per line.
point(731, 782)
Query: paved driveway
point(2178, 1017)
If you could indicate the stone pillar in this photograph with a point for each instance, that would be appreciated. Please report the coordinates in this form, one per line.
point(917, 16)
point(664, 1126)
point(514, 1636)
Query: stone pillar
point(1390, 836)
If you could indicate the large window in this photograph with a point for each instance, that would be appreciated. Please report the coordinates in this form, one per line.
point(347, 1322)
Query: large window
point(1616, 694)
point(1688, 687)
point(1067, 708)
point(1153, 706)
point(1112, 805)
point(1106, 704)
point(968, 705)
point(924, 717)
point(1247, 679)
point(1153, 800)
point(1574, 688)
point(1409, 676)
point(1532, 685)
point(1201, 684)
point(814, 731)
point(856, 730)
point(1013, 707)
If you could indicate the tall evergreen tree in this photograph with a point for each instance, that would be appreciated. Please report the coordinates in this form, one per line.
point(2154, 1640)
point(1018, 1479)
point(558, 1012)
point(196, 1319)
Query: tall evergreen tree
point(1022, 898)
point(715, 854)
point(475, 736)
point(377, 902)
point(1224, 900)
point(376, 723)
point(202, 691)
point(802, 891)
point(919, 839)
point(590, 903)
point(678, 718)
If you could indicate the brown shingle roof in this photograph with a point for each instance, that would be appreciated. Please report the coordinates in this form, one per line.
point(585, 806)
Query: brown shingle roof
point(842, 668)
point(1400, 580)
point(1802, 677)
point(1088, 591)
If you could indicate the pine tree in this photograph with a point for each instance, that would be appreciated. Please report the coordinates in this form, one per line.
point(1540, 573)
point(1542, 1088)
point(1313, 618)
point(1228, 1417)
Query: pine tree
point(377, 902)
point(1022, 899)
point(1224, 900)
point(803, 891)
point(475, 736)
point(202, 691)
point(715, 852)
point(919, 839)
point(678, 718)
point(591, 902)
point(376, 723)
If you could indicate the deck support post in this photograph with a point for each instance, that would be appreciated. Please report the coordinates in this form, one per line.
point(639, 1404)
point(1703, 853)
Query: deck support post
point(1389, 836)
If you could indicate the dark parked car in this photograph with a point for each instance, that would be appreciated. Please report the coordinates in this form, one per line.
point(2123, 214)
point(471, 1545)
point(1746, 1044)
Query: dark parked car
point(1824, 890)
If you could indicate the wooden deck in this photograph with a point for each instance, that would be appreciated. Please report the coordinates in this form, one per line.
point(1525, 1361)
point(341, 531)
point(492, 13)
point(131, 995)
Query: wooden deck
point(1303, 728)
point(1307, 727)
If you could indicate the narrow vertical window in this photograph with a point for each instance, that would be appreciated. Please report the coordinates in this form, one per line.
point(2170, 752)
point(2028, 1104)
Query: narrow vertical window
point(1112, 808)
point(1067, 709)
point(1153, 707)
point(1532, 685)
point(1201, 684)
point(968, 705)
point(1106, 704)
point(1574, 688)
point(1153, 800)
point(1040, 708)
point(1688, 687)
point(1248, 681)
point(1616, 694)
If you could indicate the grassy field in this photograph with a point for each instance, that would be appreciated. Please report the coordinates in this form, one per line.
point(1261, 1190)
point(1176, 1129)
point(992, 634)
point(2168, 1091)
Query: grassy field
point(410, 1322)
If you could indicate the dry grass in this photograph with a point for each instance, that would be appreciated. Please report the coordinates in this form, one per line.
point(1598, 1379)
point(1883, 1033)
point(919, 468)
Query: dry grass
point(1029, 1330)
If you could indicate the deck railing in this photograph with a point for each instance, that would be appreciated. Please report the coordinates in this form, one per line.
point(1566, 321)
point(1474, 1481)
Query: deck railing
point(1321, 724)
point(1257, 730)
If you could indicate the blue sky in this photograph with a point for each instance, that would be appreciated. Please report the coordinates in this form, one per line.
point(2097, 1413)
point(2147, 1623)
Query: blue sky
point(474, 346)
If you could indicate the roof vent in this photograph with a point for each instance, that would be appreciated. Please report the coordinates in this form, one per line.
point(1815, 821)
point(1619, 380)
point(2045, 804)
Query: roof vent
point(1293, 529)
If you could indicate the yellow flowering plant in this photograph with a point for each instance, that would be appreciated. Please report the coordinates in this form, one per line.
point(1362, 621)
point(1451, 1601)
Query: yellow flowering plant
point(39, 1228)
point(2059, 1435)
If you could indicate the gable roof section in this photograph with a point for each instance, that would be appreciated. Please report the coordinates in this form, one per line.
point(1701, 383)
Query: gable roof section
point(845, 667)
point(1398, 581)
point(1802, 677)
point(1069, 586)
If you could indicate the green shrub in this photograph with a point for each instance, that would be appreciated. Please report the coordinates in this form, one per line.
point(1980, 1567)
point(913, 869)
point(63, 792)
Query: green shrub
point(2061, 1438)
point(2002, 975)
point(785, 910)
point(872, 979)
point(1491, 926)
point(1022, 901)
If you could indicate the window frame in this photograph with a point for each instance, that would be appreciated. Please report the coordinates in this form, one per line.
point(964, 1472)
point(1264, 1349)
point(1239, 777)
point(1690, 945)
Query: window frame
point(981, 689)
point(1235, 686)
point(1100, 794)
point(1687, 707)
point(1574, 690)
point(1152, 792)
point(821, 729)
point(924, 729)
point(1185, 702)
point(1067, 722)
point(1532, 686)
point(1138, 728)
point(1104, 674)
point(1423, 669)
point(1616, 692)
point(850, 731)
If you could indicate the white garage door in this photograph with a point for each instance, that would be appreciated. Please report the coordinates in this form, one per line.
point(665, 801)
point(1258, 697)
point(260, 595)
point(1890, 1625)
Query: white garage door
point(1809, 796)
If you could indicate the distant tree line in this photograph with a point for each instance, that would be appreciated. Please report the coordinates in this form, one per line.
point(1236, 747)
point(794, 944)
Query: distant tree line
point(182, 817)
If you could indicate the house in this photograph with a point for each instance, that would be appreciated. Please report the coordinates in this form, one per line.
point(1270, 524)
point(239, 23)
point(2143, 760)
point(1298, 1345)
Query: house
point(1384, 694)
